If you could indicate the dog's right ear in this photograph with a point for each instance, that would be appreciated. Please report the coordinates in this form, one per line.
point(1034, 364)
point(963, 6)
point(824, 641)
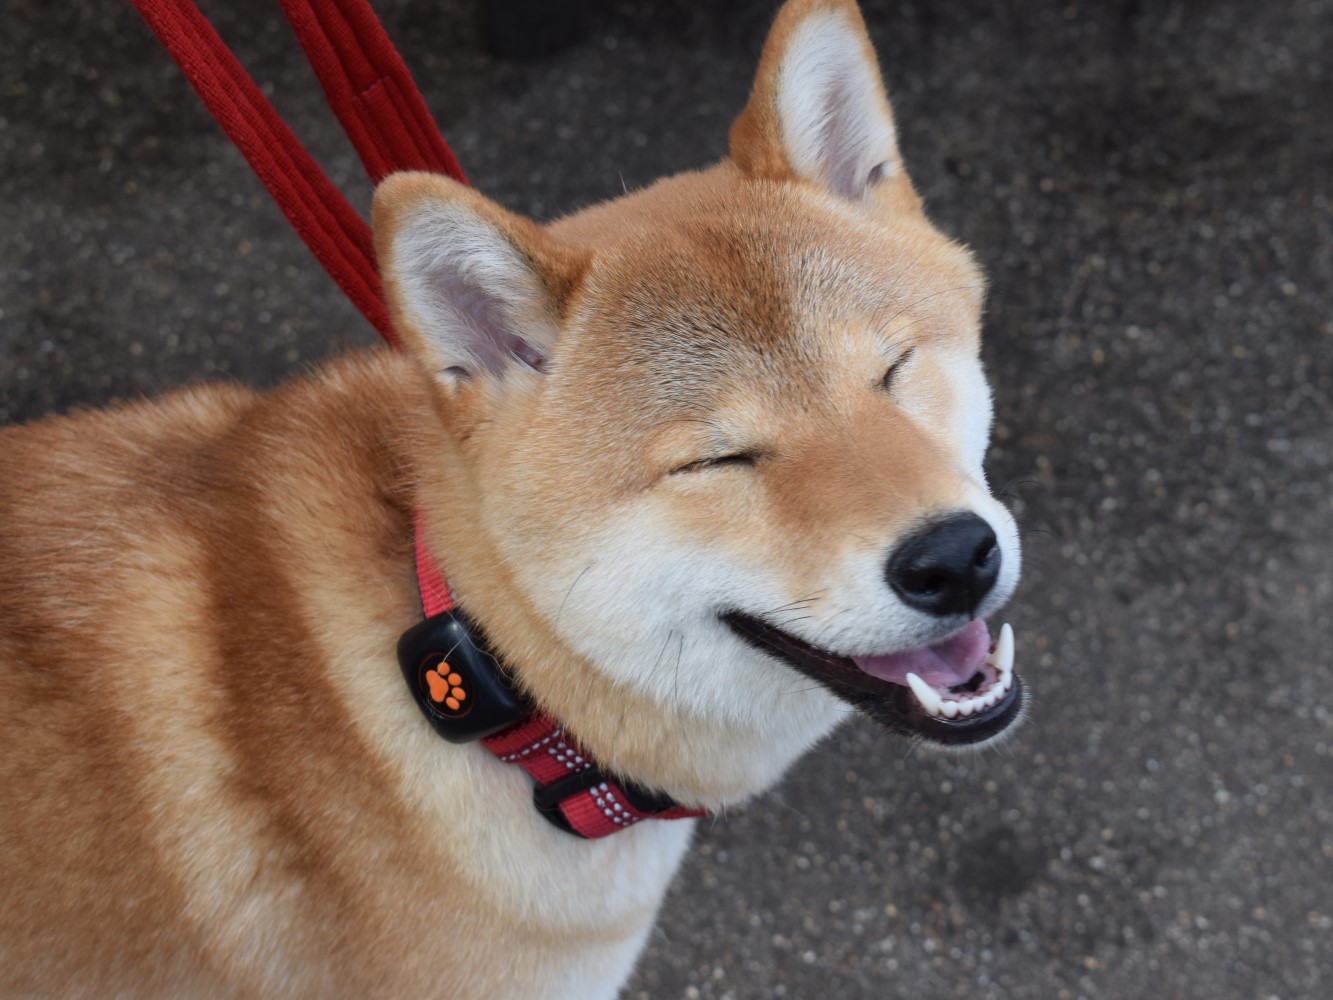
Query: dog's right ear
point(474, 291)
point(819, 111)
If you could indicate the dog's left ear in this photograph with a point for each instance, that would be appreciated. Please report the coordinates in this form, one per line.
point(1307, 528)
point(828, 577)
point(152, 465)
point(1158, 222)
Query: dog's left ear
point(477, 293)
point(819, 110)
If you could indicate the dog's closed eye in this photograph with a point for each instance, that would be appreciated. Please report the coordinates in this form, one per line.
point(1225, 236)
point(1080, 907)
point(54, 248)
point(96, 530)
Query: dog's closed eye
point(740, 458)
point(895, 369)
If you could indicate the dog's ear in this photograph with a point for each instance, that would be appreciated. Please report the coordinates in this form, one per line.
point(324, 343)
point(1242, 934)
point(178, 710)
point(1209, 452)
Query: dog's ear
point(474, 291)
point(819, 110)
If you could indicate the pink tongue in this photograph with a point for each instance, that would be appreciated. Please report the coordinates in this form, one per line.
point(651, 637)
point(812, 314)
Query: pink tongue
point(953, 661)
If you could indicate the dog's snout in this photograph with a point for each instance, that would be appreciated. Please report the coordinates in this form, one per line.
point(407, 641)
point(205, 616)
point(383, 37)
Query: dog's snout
point(948, 568)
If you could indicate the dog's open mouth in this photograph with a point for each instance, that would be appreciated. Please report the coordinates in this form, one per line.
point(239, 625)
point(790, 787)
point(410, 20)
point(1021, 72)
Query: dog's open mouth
point(957, 692)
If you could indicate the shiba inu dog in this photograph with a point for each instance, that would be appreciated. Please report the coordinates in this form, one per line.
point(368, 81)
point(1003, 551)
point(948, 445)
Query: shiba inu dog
point(703, 466)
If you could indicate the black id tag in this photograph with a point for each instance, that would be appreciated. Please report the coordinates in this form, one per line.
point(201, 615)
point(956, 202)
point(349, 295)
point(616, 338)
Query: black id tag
point(457, 682)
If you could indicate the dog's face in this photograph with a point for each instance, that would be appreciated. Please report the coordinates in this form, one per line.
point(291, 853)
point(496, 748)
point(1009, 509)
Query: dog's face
point(728, 432)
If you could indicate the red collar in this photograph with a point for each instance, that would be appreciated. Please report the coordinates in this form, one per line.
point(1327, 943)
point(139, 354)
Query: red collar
point(571, 790)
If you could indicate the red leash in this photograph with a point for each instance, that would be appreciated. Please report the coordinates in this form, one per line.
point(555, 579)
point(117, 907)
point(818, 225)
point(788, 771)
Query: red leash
point(372, 94)
point(370, 90)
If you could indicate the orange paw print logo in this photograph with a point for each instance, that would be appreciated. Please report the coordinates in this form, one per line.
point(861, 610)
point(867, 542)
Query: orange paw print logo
point(446, 687)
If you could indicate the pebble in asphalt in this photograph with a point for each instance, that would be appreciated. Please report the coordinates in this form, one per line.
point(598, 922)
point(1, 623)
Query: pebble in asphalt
point(1148, 186)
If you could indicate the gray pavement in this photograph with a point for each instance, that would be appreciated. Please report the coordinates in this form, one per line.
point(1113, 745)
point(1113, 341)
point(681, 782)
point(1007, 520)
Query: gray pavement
point(1149, 187)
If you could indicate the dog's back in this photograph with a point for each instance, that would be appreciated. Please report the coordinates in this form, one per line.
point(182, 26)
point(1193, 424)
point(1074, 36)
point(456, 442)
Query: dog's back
point(182, 782)
point(83, 626)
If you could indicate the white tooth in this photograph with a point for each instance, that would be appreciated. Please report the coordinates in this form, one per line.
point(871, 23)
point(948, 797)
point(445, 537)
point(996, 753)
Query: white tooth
point(927, 695)
point(966, 708)
point(949, 709)
point(993, 697)
point(1003, 658)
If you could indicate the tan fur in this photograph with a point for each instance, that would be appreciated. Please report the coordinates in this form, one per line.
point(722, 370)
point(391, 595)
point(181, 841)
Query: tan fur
point(214, 783)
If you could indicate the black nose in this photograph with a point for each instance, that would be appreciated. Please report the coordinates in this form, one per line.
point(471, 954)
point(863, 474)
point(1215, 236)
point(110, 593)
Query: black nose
point(947, 569)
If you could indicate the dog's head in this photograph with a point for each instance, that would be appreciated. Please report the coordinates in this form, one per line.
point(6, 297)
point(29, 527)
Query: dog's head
point(726, 433)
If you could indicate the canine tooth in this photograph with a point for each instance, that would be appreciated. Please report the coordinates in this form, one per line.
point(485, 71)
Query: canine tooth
point(927, 695)
point(949, 709)
point(1003, 657)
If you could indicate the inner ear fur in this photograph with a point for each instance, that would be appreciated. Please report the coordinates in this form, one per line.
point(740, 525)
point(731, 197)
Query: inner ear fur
point(818, 110)
point(474, 291)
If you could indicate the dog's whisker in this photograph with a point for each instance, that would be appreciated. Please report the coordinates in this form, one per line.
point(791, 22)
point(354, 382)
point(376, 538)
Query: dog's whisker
point(680, 652)
point(879, 331)
point(565, 599)
point(803, 690)
point(816, 596)
point(1044, 532)
point(823, 633)
point(657, 662)
point(794, 606)
point(784, 804)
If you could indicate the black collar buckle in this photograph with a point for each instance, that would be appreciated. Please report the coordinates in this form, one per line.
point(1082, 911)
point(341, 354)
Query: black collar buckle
point(456, 681)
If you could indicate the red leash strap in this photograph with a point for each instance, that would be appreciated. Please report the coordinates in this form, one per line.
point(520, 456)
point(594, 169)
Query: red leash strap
point(337, 236)
point(369, 88)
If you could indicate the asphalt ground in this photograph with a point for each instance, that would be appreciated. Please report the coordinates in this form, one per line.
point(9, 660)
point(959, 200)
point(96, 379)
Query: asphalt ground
point(1149, 188)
